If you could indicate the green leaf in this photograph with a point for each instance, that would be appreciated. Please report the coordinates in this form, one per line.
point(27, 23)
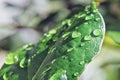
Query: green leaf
point(62, 53)
point(16, 57)
point(71, 52)
point(4, 70)
point(12, 70)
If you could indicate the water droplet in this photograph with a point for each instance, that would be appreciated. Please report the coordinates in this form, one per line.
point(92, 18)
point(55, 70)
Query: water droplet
point(53, 61)
point(48, 35)
point(16, 58)
point(87, 37)
point(64, 76)
point(97, 19)
point(65, 35)
point(69, 22)
point(45, 34)
point(5, 77)
point(28, 47)
point(87, 8)
point(82, 44)
point(82, 62)
point(86, 23)
point(22, 63)
point(25, 46)
point(70, 49)
point(34, 56)
point(76, 74)
point(53, 31)
point(76, 34)
point(43, 40)
point(94, 10)
point(97, 32)
point(76, 27)
point(89, 17)
point(64, 22)
point(80, 15)
point(29, 60)
point(37, 52)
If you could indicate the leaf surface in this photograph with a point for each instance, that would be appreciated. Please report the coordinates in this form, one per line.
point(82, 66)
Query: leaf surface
point(62, 53)
point(77, 41)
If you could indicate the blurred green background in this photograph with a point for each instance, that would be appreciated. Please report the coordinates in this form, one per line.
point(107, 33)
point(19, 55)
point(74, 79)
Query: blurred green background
point(25, 21)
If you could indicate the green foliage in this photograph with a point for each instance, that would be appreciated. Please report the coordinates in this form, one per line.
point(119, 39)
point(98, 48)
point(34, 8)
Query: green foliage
point(115, 35)
point(13, 70)
point(62, 53)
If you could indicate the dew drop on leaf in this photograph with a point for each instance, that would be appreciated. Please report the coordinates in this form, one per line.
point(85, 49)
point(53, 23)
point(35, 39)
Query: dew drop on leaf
point(82, 62)
point(34, 56)
point(53, 61)
point(97, 32)
point(82, 44)
point(97, 19)
point(89, 17)
point(76, 74)
point(70, 49)
point(86, 23)
point(5, 77)
point(53, 31)
point(69, 22)
point(80, 15)
point(76, 34)
point(87, 37)
point(29, 60)
point(22, 63)
point(16, 58)
point(66, 34)
point(64, 22)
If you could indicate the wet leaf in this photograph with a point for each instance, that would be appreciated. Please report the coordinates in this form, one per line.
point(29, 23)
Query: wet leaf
point(62, 53)
point(71, 54)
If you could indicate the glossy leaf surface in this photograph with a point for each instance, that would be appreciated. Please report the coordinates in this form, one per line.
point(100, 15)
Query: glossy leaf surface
point(62, 53)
